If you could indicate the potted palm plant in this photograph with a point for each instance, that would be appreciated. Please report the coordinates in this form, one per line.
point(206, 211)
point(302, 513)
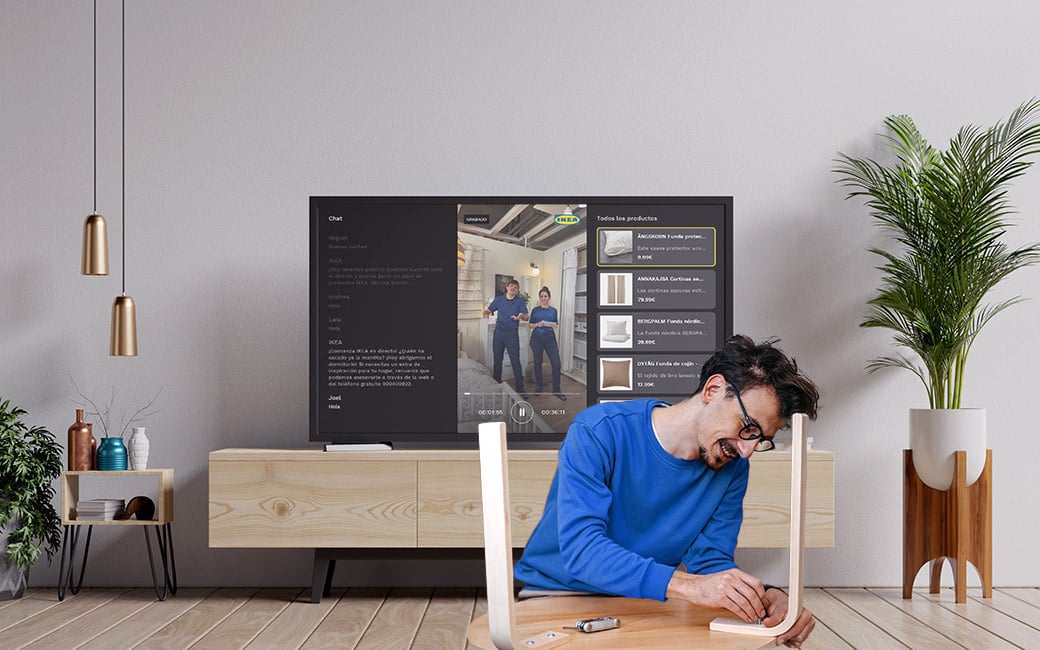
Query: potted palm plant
point(947, 212)
point(30, 460)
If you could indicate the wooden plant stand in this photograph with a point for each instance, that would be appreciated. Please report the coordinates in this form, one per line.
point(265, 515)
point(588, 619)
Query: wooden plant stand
point(954, 525)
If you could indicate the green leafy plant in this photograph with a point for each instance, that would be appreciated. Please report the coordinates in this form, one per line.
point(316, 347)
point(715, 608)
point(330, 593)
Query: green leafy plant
point(948, 211)
point(30, 460)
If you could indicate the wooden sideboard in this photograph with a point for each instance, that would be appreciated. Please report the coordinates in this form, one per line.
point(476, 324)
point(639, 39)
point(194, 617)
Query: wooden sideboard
point(278, 498)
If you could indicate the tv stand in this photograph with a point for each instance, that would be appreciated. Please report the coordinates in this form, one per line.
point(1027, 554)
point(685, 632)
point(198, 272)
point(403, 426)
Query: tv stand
point(421, 503)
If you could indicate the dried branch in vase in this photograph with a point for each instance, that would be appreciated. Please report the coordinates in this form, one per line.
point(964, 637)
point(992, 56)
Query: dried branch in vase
point(103, 411)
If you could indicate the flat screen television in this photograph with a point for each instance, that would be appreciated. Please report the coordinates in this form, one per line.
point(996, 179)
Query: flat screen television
point(403, 349)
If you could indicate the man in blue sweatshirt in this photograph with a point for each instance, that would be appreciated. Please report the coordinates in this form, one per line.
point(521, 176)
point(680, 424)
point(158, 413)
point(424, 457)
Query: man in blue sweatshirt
point(647, 497)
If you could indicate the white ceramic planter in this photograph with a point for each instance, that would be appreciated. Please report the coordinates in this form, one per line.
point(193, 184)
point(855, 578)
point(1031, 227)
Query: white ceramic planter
point(935, 434)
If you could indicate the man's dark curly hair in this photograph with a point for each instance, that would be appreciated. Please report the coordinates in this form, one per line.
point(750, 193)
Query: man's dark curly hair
point(746, 365)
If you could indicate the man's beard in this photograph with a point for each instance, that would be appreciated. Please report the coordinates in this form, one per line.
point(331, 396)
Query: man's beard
point(721, 459)
point(706, 459)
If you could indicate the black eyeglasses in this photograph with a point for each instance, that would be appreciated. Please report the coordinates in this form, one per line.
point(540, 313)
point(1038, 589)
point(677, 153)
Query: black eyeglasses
point(750, 430)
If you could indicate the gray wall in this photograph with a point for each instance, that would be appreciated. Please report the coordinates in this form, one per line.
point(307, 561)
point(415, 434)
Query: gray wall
point(236, 112)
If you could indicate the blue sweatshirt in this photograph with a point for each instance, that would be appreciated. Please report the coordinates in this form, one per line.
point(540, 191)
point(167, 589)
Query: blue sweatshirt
point(622, 513)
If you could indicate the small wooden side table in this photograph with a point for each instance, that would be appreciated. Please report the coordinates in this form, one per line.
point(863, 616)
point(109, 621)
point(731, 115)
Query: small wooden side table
point(162, 524)
point(954, 525)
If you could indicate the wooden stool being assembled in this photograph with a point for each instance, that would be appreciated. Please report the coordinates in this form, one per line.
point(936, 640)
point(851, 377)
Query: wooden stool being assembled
point(543, 623)
point(954, 525)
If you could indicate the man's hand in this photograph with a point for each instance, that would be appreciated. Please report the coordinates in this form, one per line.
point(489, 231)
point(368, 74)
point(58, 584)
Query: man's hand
point(776, 604)
point(739, 592)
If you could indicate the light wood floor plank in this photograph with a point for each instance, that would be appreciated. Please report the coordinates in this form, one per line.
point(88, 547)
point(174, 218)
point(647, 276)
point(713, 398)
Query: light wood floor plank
point(444, 625)
point(983, 614)
point(346, 623)
point(965, 632)
point(99, 620)
point(397, 621)
point(249, 620)
point(195, 623)
point(294, 624)
point(30, 604)
point(424, 619)
point(479, 609)
point(42, 624)
point(1027, 594)
point(907, 629)
point(823, 638)
point(1021, 611)
point(153, 617)
point(29, 593)
point(854, 629)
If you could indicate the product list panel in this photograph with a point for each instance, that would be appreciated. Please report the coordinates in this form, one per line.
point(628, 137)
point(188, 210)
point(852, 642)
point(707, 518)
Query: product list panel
point(659, 296)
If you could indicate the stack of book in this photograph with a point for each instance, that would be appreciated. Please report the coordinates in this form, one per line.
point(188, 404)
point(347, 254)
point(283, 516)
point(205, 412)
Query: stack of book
point(99, 509)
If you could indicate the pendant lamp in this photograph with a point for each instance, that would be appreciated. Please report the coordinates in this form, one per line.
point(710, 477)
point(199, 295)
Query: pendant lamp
point(123, 342)
point(95, 230)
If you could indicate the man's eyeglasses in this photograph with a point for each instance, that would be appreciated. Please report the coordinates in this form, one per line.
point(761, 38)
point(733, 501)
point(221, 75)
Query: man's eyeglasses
point(750, 430)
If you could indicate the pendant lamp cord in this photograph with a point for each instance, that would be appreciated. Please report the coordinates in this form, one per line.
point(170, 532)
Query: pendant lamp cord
point(95, 106)
point(123, 137)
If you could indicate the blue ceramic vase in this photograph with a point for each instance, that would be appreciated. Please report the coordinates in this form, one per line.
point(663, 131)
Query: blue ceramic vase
point(111, 455)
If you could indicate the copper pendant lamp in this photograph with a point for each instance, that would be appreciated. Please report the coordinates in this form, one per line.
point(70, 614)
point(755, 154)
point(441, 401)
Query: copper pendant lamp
point(95, 230)
point(123, 342)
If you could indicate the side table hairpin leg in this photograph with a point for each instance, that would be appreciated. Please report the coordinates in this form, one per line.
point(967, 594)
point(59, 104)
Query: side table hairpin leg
point(164, 540)
point(69, 542)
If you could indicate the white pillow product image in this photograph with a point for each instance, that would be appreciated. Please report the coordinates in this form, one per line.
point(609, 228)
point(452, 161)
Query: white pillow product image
point(617, 327)
point(617, 242)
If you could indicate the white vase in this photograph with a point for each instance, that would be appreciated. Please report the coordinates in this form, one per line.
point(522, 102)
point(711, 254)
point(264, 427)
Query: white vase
point(935, 434)
point(138, 448)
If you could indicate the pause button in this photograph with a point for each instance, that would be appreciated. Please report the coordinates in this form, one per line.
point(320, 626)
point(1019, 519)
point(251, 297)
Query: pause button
point(521, 412)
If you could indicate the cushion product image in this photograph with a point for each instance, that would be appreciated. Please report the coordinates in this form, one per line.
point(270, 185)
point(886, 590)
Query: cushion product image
point(617, 242)
point(615, 327)
point(616, 374)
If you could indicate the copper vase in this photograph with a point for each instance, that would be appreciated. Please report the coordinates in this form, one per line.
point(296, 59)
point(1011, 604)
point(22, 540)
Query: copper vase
point(82, 445)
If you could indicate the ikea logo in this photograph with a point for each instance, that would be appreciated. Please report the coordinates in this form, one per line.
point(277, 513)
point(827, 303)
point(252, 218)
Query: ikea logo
point(567, 219)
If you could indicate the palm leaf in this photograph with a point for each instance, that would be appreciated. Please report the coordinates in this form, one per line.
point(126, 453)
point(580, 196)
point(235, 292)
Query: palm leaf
point(947, 213)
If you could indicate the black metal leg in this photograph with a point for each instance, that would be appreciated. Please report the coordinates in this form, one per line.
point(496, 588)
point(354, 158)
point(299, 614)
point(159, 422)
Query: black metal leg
point(164, 540)
point(65, 547)
point(151, 565)
point(328, 577)
point(173, 562)
point(319, 573)
point(83, 567)
point(70, 541)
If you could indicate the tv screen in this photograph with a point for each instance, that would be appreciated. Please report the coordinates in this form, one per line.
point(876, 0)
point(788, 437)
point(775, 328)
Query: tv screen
point(540, 307)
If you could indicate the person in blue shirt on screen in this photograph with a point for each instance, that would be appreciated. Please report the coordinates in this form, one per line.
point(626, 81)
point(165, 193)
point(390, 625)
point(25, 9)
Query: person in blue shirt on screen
point(647, 500)
point(511, 310)
point(544, 322)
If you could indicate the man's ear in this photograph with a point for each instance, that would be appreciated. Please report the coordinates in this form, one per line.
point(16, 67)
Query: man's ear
point(712, 387)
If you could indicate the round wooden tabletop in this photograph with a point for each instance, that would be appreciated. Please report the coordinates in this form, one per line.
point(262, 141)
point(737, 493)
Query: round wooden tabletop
point(645, 624)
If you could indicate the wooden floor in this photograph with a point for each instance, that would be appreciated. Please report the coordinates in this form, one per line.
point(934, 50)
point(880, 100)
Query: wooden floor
point(436, 619)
